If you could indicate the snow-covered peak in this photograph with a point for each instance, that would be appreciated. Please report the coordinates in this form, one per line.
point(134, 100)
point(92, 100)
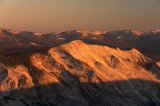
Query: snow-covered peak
point(135, 32)
point(14, 32)
point(37, 34)
point(85, 33)
point(156, 31)
point(8, 31)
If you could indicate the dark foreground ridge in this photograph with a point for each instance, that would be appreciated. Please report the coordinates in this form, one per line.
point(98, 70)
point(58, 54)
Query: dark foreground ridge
point(144, 93)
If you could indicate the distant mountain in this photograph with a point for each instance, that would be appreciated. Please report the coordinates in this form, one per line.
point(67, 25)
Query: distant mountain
point(79, 74)
point(145, 42)
point(20, 41)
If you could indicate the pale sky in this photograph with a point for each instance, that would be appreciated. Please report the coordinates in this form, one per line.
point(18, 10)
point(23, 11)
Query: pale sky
point(47, 16)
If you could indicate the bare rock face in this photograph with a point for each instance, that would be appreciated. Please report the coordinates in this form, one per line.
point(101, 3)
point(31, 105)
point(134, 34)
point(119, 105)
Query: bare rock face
point(158, 64)
point(15, 78)
point(81, 74)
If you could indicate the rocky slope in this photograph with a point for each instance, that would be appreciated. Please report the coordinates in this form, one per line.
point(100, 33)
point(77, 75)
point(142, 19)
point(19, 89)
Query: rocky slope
point(79, 74)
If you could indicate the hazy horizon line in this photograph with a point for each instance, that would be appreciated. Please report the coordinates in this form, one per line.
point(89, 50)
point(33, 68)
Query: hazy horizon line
point(133, 29)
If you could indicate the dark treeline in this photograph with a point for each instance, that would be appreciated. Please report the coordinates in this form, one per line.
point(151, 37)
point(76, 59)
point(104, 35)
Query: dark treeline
point(13, 59)
point(21, 58)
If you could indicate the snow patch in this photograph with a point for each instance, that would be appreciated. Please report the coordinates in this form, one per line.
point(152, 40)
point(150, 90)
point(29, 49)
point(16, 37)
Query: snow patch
point(33, 43)
point(37, 34)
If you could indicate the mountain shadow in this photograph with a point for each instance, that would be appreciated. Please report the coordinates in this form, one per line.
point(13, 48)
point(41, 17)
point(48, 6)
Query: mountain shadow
point(112, 93)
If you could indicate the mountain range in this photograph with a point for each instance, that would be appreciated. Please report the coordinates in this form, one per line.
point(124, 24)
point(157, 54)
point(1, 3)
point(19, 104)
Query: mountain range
point(80, 68)
point(145, 42)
